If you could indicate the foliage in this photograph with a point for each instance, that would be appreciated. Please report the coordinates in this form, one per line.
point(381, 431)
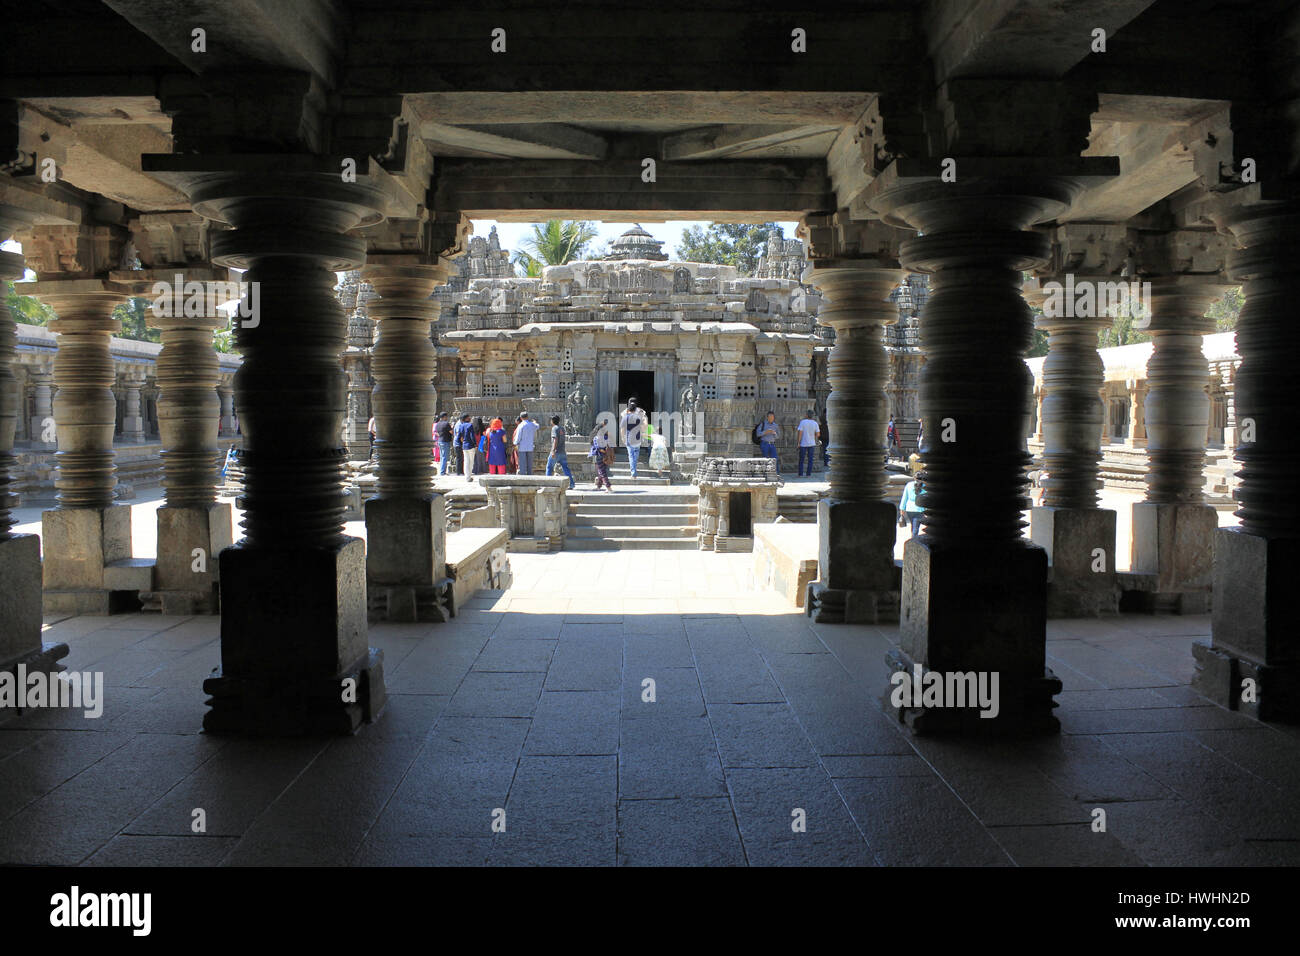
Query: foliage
point(26, 309)
point(1227, 309)
point(1123, 331)
point(729, 244)
point(134, 316)
point(554, 243)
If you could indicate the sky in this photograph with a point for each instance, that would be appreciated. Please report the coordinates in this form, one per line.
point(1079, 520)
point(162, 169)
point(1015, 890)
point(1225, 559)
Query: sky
point(511, 233)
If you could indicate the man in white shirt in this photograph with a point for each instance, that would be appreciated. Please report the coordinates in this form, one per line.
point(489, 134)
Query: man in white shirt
point(632, 427)
point(523, 440)
point(809, 431)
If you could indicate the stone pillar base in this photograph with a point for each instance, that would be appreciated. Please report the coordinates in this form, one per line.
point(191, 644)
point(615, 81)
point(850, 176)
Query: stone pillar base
point(293, 632)
point(406, 559)
point(1080, 546)
point(20, 607)
point(838, 606)
point(1176, 544)
point(858, 581)
point(177, 585)
point(980, 609)
point(79, 544)
point(1254, 584)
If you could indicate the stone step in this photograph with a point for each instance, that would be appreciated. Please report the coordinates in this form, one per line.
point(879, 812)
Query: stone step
point(572, 543)
point(630, 531)
point(631, 519)
point(603, 501)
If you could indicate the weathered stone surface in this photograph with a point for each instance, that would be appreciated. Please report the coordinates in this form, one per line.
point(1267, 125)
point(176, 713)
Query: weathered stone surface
point(81, 542)
point(785, 558)
point(856, 544)
point(1175, 542)
point(476, 559)
point(181, 530)
point(20, 595)
point(1080, 546)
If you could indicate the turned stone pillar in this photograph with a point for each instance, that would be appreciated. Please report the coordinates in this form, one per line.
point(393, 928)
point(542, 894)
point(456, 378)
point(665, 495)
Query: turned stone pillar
point(294, 649)
point(226, 396)
point(87, 532)
point(1253, 662)
point(406, 525)
point(193, 527)
point(1079, 537)
point(132, 419)
point(1173, 529)
point(1137, 423)
point(857, 579)
point(974, 589)
point(20, 554)
point(42, 421)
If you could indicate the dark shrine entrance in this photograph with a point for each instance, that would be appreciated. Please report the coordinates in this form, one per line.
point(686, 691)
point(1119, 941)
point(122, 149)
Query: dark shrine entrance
point(638, 385)
point(739, 521)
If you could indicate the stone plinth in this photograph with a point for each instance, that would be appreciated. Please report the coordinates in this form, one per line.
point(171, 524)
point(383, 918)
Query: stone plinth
point(406, 558)
point(1175, 542)
point(785, 559)
point(532, 508)
point(20, 607)
point(1254, 637)
point(859, 581)
point(294, 654)
point(1080, 546)
point(477, 558)
point(79, 544)
point(720, 478)
point(980, 609)
point(186, 582)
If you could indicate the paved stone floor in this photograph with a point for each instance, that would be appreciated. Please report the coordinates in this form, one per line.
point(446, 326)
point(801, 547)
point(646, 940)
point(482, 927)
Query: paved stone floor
point(531, 702)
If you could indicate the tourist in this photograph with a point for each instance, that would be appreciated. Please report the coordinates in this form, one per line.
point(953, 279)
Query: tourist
point(630, 426)
point(910, 508)
point(558, 455)
point(769, 432)
point(602, 454)
point(442, 434)
point(481, 457)
point(891, 438)
point(370, 428)
point(467, 441)
point(826, 440)
point(659, 460)
point(525, 433)
point(809, 431)
point(497, 455)
point(920, 427)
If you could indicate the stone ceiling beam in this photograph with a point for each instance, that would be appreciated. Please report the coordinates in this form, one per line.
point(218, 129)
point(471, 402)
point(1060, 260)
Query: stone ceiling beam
point(523, 140)
point(712, 142)
point(529, 190)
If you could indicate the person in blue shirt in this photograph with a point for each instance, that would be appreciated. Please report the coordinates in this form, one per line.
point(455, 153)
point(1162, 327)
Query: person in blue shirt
point(467, 442)
point(910, 506)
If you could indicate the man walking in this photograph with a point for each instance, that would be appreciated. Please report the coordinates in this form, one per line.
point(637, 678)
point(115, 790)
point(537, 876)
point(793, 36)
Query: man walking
point(891, 437)
point(523, 441)
point(631, 425)
point(558, 455)
point(769, 432)
point(442, 434)
point(809, 432)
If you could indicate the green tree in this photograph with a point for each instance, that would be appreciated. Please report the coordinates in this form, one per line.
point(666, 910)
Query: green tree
point(728, 244)
point(1226, 310)
point(26, 309)
point(134, 316)
point(553, 243)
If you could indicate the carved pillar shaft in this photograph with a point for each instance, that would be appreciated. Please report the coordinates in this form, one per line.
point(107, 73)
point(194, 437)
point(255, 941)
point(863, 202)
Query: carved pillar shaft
point(85, 412)
point(189, 409)
point(403, 364)
point(1177, 406)
point(11, 267)
point(1071, 413)
point(857, 306)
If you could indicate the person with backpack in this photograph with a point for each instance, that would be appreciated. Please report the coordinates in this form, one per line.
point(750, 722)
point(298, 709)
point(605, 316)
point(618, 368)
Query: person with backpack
point(632, 425)
point(442, 434)
point(602, 454)
point(768, 432)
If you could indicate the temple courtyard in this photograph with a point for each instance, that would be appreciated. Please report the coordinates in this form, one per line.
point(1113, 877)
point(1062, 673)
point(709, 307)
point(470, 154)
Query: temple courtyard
point(533, 701)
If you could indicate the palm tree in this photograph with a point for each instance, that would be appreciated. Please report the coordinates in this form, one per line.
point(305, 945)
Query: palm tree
point(554, 243)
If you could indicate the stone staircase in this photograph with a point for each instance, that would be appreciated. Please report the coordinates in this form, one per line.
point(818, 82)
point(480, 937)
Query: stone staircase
point(620, 474)
point(609, 521)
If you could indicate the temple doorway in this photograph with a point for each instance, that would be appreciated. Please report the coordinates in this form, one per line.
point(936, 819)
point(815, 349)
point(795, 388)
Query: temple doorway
point(639, 385)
